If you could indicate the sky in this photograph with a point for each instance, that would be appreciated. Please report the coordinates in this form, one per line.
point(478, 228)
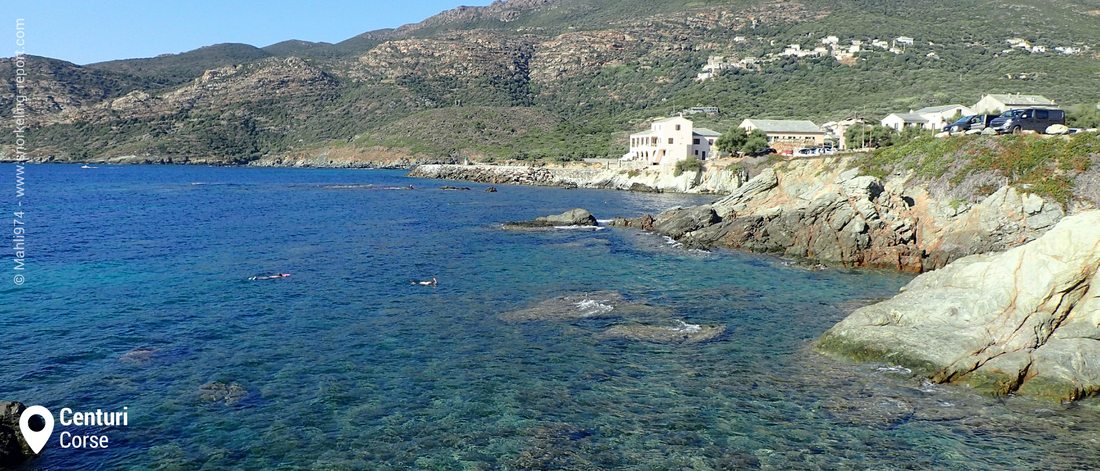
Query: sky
point(93, 31)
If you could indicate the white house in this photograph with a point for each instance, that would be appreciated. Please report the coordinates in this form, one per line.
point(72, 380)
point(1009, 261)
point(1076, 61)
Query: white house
point(993, 104)
point(671, 140)
point(900, 121)
point(932, 118)
point(903, 41)
point(938, 116)
point(837, 130)
point(715, 65)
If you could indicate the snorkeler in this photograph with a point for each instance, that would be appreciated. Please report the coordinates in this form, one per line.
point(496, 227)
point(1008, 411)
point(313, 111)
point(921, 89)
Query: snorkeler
point(269, 277)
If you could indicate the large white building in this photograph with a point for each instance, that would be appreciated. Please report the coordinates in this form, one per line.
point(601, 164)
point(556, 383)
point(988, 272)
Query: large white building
point(671, 140)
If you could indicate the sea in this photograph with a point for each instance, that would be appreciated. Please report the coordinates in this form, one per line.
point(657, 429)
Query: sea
point(136, 297)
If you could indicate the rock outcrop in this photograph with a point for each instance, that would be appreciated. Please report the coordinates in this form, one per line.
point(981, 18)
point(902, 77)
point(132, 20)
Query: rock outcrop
point(818, 210)
point(13, 449)
point(1024, 321)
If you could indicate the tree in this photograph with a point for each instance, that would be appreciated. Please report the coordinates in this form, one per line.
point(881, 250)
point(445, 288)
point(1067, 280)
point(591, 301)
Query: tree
point(755, 143)
point(869, 136)
point(731, 142)
point(1083, 116)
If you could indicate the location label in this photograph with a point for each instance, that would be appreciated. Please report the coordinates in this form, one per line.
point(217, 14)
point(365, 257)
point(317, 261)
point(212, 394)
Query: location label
point(36, 438)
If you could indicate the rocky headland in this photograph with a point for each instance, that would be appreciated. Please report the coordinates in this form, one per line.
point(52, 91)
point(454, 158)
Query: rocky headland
point(822, 210)
point(1023, 321)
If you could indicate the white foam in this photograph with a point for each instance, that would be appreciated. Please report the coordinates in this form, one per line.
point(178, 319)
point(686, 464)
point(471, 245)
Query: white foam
point(895, 369)
point(592, 307)
point(580, 228)
point(686, 328)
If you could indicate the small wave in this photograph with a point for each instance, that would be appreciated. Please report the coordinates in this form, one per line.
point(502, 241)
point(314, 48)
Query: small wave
point(592, 307)
point(929, 387)
point(895, 369)
point(604, 221)
point(686, 328)
point(580, 228)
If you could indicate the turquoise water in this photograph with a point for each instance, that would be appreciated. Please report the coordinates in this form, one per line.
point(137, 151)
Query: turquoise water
point(137, 296)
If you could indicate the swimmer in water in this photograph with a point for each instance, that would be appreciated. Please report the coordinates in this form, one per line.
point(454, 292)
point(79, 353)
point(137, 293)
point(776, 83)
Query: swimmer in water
point(268, 277)
point(431, 282)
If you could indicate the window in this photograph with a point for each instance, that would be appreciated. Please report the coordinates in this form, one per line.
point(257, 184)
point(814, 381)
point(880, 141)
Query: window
point(677, 127)
point(695, 141)
point(1042, 114)
point(670, 140)
point(696, 152)
point(710, 141)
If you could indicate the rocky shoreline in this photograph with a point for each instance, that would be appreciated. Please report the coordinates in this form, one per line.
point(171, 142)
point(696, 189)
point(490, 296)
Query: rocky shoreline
point(718, 180)
point(819, 210)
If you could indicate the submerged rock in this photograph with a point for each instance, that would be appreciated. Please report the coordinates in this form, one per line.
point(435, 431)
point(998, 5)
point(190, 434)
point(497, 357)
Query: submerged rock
point(229, 394)
point(573, 217)
point(138, 355)
point(599, 304)
point(1024, 321)
point(13, 449)
point(681, 333)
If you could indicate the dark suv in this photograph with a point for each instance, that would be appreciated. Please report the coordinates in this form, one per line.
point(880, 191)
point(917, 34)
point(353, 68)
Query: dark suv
point(1028, 119)
point(976, 122)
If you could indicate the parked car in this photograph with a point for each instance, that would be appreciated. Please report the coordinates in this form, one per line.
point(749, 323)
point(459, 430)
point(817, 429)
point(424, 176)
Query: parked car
point(974, 122)
point(1027, 119)
point(766, 151)
point(808, 151)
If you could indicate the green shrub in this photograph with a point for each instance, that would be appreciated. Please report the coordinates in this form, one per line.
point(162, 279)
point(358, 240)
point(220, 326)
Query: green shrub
point(690, 164)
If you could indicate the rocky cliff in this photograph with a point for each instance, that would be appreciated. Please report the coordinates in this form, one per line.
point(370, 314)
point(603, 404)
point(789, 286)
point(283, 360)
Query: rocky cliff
point(819, 209)
point(1024, 321)
point(715, 180)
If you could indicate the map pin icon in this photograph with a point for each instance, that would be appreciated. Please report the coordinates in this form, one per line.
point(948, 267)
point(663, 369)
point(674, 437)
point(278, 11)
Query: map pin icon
point(36, 439)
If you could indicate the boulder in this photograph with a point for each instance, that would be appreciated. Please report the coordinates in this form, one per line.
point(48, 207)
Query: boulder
point(1024, 321)
point(677, 222)
point(13, 449)
point(1057, 129)
point(573, 217)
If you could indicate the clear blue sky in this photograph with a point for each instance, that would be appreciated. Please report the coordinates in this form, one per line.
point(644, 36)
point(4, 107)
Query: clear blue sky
point(94, 31)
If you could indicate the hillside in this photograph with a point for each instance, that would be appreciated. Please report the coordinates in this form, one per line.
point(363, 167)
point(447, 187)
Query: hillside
point(576, 75)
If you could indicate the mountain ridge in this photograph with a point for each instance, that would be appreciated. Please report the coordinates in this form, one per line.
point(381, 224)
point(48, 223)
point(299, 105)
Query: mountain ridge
point(600, 68)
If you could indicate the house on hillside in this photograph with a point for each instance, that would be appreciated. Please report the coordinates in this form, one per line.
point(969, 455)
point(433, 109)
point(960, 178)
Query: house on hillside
point(940, 116)
point(837, 130)
point(786, 135)
point(671, 140)
point(900, 121)
point(932, 118)
point(994, 104)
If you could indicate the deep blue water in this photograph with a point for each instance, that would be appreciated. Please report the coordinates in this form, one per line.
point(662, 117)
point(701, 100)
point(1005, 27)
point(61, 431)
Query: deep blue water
point(137, 296)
